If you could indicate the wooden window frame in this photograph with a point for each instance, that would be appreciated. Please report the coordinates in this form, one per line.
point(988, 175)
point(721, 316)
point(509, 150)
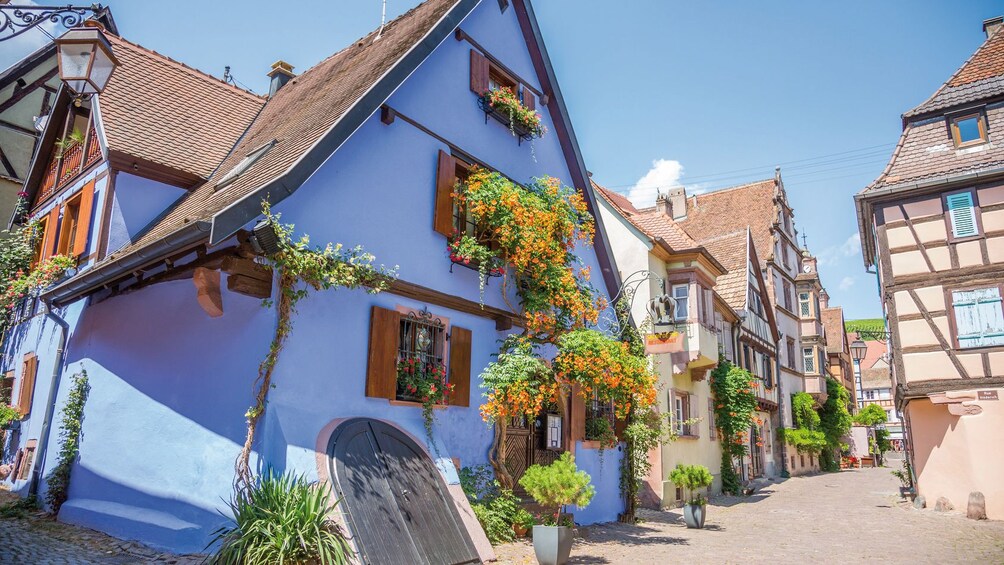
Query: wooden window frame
point(712, 430)
point(953, 326)
point(26, 387)
point(27, 460)
point(686, 311)
point(977, 213)
point(981, 121)
point(7, 388)
point(679, 426)
point(69, 224)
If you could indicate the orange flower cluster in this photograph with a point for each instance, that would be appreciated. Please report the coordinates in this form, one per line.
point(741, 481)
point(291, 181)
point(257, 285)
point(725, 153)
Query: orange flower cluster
point(516, 401)
point(535, 230)
point(604, 367)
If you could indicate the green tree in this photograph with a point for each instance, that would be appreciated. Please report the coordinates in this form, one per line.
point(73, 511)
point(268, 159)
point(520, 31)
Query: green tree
point(871, 415)
point(834, 421)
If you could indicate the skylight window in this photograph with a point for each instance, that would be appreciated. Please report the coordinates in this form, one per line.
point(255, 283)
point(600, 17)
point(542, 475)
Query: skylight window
point(244, 165)
point(969, 129)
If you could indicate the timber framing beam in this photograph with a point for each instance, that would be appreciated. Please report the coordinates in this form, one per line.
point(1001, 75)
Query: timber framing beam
point(504, 319)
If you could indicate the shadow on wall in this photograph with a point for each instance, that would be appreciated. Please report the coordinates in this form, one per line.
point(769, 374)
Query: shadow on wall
point(165, 522)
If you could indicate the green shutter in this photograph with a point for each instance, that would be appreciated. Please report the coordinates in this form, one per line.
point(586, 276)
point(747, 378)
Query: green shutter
point(960, 208)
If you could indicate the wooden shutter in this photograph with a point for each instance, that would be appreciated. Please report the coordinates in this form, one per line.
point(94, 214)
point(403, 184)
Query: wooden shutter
point(460, 366)
point(49, 237)
point(27, 389)
point(529, 100)
point(381, 370)
point(695, 410)
point(577, 418)
point(619, 427)
point(963, 214)
point(446, 181)
point(83, 219)
point(479, 73)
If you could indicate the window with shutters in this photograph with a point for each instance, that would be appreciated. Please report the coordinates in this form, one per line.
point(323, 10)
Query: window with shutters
point(791, 353)
point(712, 432)
point(7, 388)
point(407, 346)
point(979, 317)
point(969, 129)
point(23, 471)
point(487, 76)
point(786, 289)
point(69, 226)
point(39, 254)
point(809, 360)
point(682, 413)
point(963, 216)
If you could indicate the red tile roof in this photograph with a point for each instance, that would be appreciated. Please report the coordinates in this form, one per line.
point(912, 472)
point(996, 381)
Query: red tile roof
point(833, 325)
point(728, 210)
point(731, 251)
point(299, 115)
point(159, 110)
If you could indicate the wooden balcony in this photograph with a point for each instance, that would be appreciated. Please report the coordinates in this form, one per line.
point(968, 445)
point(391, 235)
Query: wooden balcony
point(63, 168)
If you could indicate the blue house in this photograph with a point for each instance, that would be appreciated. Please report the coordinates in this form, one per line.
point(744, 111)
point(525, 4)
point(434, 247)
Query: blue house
point(164, 312)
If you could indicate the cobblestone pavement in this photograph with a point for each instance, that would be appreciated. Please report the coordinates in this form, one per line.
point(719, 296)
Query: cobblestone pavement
point(38, 539)
point(845, 517)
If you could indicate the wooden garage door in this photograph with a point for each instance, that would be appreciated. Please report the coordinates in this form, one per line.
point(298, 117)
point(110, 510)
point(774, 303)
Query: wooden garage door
point(396, 502)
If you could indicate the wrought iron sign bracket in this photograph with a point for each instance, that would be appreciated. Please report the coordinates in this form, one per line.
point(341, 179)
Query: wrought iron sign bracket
point(16, 19)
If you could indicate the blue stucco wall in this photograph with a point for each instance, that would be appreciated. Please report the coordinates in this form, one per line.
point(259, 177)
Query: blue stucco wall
point(170, 386)
point(136, 201)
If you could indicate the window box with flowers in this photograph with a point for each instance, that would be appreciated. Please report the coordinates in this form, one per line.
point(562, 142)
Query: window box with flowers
point(503, 105)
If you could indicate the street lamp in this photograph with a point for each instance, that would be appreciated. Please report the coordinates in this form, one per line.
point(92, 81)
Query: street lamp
point(859, 350)
point(85, 60)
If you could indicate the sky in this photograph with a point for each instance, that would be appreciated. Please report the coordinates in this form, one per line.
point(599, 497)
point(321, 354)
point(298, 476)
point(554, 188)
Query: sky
point(661, 93)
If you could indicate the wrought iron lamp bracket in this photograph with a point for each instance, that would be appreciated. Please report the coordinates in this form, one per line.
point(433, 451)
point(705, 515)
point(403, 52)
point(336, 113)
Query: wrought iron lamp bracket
point(16, 19)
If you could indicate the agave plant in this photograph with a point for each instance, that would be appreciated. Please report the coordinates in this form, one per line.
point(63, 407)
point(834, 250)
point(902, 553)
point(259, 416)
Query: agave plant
point(281, 519)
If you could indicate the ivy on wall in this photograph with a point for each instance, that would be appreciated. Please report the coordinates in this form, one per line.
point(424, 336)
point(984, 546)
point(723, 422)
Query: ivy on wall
point(735, 413)
point(58, 480)
point(834, 421)
point(805, 437)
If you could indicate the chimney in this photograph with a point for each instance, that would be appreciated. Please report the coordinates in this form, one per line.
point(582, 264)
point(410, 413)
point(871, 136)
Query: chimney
point(673, 203)
point(280, 74)
point(992, 25)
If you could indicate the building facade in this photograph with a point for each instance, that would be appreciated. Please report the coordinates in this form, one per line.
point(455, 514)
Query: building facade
point(933, 226)
point(164, 311)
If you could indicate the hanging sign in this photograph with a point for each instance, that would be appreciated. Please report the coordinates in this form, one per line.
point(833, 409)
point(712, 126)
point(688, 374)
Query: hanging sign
point(663, 342)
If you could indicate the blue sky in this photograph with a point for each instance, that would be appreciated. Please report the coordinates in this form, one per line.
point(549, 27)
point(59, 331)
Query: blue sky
point(707, 94)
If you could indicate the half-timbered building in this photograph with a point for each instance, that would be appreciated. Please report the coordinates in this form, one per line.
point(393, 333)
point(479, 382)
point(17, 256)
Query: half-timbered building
point(932, 225)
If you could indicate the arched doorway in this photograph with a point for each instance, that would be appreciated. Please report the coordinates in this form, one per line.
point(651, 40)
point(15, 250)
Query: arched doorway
point(395, 501)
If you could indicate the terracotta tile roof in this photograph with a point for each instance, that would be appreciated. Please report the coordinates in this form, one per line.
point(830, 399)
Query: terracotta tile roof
point(730, 250)
point(299, 115)
point(617, 200)
point(980, 77)
point(833, 325)
point(728, 210)
point(157, 109)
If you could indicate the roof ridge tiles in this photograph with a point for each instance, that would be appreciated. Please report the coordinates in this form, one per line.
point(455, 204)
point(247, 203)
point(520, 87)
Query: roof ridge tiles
point(199, 73)
point(731, 188)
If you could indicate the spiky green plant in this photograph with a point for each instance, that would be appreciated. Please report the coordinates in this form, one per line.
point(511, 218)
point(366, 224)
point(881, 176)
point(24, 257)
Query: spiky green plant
point(281, 519)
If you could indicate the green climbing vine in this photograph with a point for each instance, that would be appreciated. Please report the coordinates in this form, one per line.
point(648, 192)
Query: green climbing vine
point(834, 421)
point(301, 267)
point(805, 437)
point(735, 412)
point(58, 480)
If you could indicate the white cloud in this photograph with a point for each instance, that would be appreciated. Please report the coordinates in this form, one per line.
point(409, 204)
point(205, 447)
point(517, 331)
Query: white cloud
point(664, 174)
point(834, 253)
point(846, 283)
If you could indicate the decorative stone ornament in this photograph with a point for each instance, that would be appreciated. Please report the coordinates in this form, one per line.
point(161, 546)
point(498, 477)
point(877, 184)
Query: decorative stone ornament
point(977, 507)
point(85, 60)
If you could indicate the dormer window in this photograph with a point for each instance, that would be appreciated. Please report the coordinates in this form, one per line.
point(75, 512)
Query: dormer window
point(969, 129)
point(244, 165)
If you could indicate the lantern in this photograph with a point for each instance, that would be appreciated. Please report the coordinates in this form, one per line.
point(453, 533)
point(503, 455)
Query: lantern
point(85, 60)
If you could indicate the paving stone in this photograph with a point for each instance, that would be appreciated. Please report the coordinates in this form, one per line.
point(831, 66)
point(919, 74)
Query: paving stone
point(797, 520)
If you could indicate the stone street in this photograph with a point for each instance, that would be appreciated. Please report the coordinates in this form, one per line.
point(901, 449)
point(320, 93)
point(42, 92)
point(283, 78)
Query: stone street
point(846, 517)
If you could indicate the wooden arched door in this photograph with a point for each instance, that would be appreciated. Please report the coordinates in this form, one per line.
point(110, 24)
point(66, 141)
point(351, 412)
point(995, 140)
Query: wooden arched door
point(397, 505)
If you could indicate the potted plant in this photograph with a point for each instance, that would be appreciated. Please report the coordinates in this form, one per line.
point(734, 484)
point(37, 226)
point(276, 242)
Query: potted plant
point(522, 522)
point(691, 478)
point(556, 486)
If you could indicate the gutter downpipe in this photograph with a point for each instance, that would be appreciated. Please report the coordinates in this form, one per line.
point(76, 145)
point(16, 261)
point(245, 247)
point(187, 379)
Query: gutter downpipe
point(785, 474)
point(50, 406)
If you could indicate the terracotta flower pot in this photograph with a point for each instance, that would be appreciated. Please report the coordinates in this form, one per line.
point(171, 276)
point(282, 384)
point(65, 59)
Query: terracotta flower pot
point(519, 530)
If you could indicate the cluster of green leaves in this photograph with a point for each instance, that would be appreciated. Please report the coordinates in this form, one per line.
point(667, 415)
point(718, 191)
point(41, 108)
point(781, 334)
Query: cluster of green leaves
point(599, 429)
point(8, 414)
point(882, 442)
point(834, 421)
point(692, 478)
point(281, 519)
point(517, 384)
point(805, 437)
point(558, 485)
point(19, 508)
point(58, 481)
point(735, 408)
point(496, 508)
point(865, 325)
point(871, 415)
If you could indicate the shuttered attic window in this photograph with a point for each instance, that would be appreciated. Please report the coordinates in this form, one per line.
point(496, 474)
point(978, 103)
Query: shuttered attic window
point(962, 214)
point(244, 165)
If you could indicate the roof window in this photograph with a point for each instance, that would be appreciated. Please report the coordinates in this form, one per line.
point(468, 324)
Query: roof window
point(244, 165)
point(969, 129)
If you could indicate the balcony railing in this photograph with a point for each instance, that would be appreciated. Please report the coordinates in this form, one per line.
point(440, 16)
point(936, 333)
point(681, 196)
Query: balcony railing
point(64, 167)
